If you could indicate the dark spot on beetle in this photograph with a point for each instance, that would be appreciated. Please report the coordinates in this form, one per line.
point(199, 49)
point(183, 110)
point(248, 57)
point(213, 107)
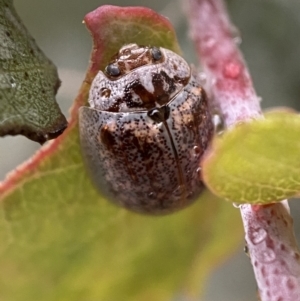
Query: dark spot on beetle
point(145, 99)
point(159, 114)
point(182, 81)
point(156, 53)
point(107, 138)
point(112, 70)
point(164, 86)
point(105, 92)
point(115, 107)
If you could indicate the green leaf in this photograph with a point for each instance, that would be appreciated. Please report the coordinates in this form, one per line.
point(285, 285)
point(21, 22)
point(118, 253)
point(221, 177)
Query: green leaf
point(28, 83)
point(61, 241)
point(256, 162)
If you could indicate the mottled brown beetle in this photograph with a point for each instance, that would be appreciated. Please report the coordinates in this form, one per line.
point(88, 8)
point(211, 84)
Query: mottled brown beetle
point(145, 131)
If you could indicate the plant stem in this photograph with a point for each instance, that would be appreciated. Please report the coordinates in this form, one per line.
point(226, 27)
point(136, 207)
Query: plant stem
point(268, 229)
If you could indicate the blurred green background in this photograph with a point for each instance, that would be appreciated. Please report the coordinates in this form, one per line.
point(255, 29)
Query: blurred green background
point(269, 31)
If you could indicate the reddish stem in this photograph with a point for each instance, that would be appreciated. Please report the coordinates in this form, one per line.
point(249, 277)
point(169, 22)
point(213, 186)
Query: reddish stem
point(231, 84)
point(268, 229)
point(273, 251)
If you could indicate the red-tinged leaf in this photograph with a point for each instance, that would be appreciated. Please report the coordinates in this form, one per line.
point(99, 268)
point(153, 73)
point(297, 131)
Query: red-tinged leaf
point(61, 241)
point(112, 27)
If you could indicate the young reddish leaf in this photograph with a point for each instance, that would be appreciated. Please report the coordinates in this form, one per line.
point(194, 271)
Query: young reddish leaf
point(28, 83)
point(112, 27)
point(60, 240)
point(256, 162)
